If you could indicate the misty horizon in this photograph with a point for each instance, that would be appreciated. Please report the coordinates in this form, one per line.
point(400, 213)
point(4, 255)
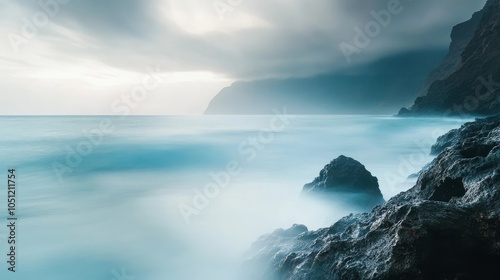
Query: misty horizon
point(173, 57)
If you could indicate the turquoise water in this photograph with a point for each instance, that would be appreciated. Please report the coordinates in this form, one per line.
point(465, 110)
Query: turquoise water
point(181, 197)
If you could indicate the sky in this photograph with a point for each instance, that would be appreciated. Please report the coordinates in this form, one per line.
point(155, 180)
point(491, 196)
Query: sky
point(171, 57)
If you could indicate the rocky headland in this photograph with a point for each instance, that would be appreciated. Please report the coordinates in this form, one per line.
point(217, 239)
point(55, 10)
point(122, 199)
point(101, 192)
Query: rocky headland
point(446, 227)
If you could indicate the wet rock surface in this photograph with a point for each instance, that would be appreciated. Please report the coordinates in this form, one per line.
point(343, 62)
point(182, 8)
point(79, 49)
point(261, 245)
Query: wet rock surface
point(347, 180)
point(446, 227)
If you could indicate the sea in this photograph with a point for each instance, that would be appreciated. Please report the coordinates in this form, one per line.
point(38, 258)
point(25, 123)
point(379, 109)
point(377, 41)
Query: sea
point(179, 197)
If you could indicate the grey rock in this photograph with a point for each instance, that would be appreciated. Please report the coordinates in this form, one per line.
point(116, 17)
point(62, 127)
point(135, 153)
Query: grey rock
point(347, 180)
point(446, 227)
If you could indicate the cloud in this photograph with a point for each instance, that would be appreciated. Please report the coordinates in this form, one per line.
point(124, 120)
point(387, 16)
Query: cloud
point(256, 39)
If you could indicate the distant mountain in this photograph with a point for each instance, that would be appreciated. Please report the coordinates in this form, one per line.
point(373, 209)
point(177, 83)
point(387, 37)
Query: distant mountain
point(382, 86)
point(468, 81)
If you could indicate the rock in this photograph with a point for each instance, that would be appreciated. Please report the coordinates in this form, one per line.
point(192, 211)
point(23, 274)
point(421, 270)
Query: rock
point(446, 227)
point(291, 232)
point(444, 142)
point(348, 180)
point(404, 112)
point(481, 127)
point(461, 35)
point(473, 87)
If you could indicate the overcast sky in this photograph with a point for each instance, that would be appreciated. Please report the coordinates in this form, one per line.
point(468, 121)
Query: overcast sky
point(108, 56)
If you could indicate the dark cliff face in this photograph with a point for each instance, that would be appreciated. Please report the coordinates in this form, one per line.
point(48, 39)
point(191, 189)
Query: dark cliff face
point(382, 86)
point(474, 87)
point(446, 227)
point(461, 36)
point(347, 179)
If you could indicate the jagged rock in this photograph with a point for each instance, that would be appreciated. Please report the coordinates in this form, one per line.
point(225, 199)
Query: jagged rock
point(347, 180)
point(461, 35)
point(474, 86)
point(481, 127)
point(446, 227)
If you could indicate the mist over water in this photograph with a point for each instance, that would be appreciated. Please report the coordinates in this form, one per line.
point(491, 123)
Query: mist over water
point(118, 208)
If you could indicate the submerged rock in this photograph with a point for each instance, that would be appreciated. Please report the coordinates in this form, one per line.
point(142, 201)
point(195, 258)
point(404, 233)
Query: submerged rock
point(347, 180)
point(446, 227)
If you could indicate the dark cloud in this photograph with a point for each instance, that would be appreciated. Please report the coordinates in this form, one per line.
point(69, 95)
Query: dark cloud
point(257, 39)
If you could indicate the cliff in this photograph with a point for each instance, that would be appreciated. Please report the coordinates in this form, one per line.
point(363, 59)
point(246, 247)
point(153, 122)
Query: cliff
point(461, 35)
point(469, 85)
point(379, 87)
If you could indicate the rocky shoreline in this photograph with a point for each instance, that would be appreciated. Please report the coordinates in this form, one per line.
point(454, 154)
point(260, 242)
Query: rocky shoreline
point(446, 227)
